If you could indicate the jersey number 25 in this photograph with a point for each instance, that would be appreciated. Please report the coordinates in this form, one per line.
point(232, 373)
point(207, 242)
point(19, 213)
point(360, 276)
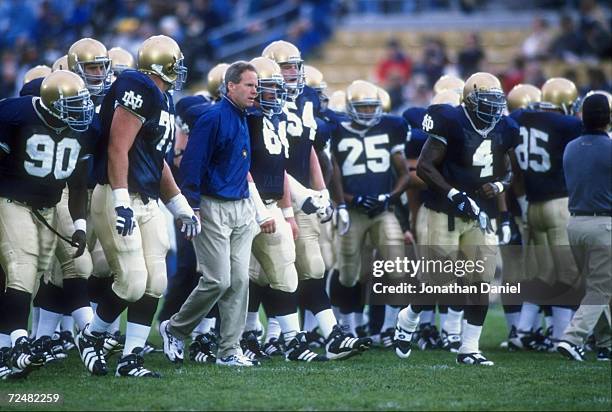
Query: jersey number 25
point(377, 159)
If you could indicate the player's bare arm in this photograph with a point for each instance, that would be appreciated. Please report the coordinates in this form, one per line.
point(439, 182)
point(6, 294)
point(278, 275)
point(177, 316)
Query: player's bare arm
point(399, 163)
point(168, 186)
point(432, 155)
point(337, 191)
point(124, 128)
point(285, 204)
point(316, 175)
point(491, 189)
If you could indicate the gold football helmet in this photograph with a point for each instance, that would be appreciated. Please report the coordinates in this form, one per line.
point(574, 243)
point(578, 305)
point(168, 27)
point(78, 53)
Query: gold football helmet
point(36, 72)
point(271, 93)
point(121, 60)
point(523, 96)
point(314, 78)
point(64, 95)
point(337, 101)
point(484, 98)
point(60, 64)
point(448, 96)
point(448, 82)
point(290, 60)
point(559, 93)
point(89, 52)
point(363, 103)
point(215, 80)
point(385, 99)
point(161, 56)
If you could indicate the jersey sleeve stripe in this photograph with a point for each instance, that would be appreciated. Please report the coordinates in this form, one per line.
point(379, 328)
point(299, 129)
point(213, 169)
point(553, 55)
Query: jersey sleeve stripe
point(397, 148)
point(440, 138)
point(5, 147)
point(142, 119)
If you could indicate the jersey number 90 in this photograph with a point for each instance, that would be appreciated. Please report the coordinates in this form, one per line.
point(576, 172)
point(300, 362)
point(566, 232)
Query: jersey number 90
point(46, 156)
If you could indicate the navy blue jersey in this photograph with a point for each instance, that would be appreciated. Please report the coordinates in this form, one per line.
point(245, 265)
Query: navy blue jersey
point(182, 109)
point(269, 153)
point(31, 88)
point(540, 155)
point(416, 136)
point(471, 160)
point(414, 116)
point(137, 93)
point(364, 155)
point(39, 158)
point(301, 133)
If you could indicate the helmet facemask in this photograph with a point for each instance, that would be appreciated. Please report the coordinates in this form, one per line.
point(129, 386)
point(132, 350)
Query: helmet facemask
point(487, 105)
point(367, 118)
point(271, 95)
point(175, 74)
point(294, 83)
point(76, 111)
point(97, 84)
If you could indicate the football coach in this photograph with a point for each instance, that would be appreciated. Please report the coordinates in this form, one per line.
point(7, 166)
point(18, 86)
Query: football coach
point(587, 163)
point(214, 173)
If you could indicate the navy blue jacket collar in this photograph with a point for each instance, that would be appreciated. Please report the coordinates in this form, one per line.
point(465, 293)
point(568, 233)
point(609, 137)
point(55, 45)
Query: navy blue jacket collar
point(228, 102)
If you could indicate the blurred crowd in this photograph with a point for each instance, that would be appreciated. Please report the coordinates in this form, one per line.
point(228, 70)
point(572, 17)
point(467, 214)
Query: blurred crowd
point(40, 31)
point(582, 37)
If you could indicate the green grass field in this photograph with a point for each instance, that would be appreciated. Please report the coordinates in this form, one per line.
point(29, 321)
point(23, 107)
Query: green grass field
point(375, 380)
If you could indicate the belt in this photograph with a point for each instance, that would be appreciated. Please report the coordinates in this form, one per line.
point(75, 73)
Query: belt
point(609, 213)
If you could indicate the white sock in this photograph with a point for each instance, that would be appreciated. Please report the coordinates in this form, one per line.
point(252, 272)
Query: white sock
point(135, 337)
point(561, 319)
point(35, 312)
point(251, 321)
point(442, 317)
point(529, 315)
point(469, 338)
point(408, 320)
point(427, 316)
point(336, 311)
point(452, 324)
point(359, 318)
point(205, 325)
point(98, 325)
point(390, 317)
point(353, 323)
point(47, 322)
point(289, 325)
point(67, 323)
point(548, 321)
point(16, 334)
point(327, 321)
point(274, 329)
point(115, 325)
point(5, 340)
point(345, 320)
point(82, 316)
point(310, 321)
point(512, 319)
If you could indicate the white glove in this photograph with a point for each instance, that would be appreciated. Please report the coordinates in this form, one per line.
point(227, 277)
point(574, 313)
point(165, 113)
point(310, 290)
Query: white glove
point(180, 209)
point(262, 214)
point(342, 219)
point(524, 205)
point(506, 233)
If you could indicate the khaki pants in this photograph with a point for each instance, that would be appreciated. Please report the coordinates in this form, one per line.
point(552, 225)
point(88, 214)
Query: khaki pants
point(308, 259)
point(590, 238)
point(223, 250)
point(27, 246)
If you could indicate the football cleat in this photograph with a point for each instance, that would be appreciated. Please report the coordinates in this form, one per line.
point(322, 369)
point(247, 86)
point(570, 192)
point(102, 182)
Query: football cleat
point(402, 340)
point(315, 339)
point(51, 349)
point(386, 337)
point(202, 349)
point(429, 338)
point(237, 360)
point(149, 348)
point(113, 343)
point(523, 340)
point(451, 342)
point(603, 354)
point(5, 362)
point(475, 358)
point(297, 350)
point(340, 345)
point(67, 340)
point(89, 345)
point(570, 351)
point(250, 346)
point(173, 346)
point(273, 347)
point(132, 366)
point(24, 360)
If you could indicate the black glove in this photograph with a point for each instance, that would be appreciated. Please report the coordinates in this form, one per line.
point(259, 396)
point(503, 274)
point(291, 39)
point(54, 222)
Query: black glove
point(364, 203)
point(464, 206)
point(79, 241)
point(382, 204)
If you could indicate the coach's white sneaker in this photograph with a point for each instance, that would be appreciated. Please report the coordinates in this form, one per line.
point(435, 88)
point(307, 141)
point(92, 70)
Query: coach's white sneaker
point(570, 351)
point(173, 346)
point(475, 358)
point(237, 359)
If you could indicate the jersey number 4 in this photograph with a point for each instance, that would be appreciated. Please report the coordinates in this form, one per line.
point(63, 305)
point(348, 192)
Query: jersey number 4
point(377, 159)
point(530, 148)
point(46, 156)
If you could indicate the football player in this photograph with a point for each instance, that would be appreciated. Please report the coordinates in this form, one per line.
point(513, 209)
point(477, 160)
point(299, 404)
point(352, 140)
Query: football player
point(137, 121)
point(33, 79)
point(121, 60)
point(465, 164)
point(44, 141)
point(301, 107)
point(369, 175)
point(545, 134)
point(273, 254)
